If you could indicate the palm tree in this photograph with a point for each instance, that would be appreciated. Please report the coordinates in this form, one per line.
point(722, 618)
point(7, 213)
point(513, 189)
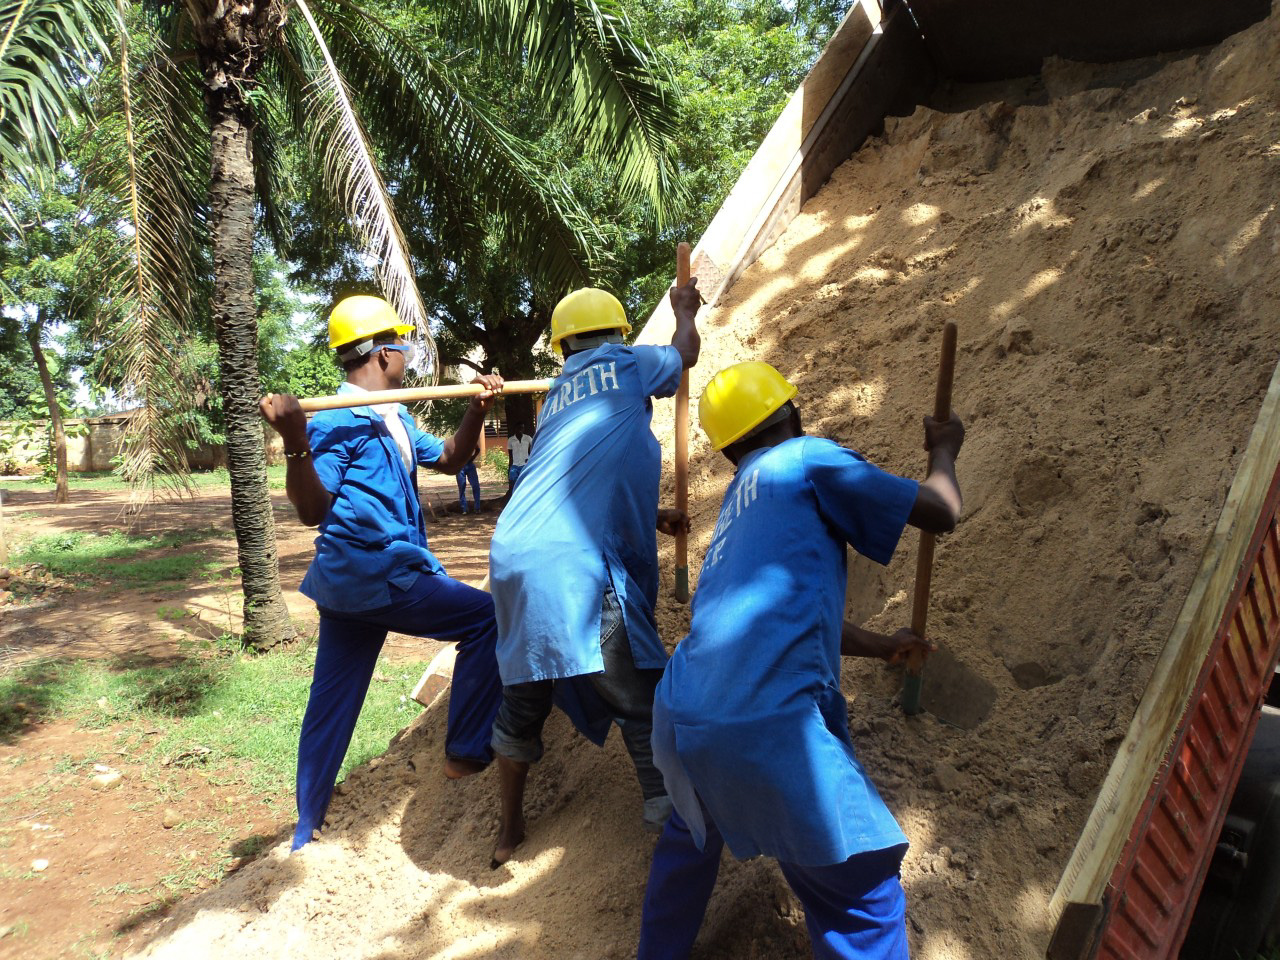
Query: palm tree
point(232, 85)
point(45, 47)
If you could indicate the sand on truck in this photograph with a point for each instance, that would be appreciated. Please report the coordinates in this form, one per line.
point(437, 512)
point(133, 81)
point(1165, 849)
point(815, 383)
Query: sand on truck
point(1107, 239)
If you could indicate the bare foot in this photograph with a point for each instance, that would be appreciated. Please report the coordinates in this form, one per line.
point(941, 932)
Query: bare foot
point(455, 768)
point(511, 778)
point(510, 836)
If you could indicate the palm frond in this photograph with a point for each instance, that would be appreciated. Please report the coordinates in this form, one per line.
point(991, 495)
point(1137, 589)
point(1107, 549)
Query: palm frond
point(45, 46)
point(475, 175)
point(338, 136)
point(148, 154)
point(617, 96)
point(273, 185)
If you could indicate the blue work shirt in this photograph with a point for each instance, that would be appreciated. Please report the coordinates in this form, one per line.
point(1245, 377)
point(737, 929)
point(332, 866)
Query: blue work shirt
point(749, 715)
point(584, 514)
point(373, 534)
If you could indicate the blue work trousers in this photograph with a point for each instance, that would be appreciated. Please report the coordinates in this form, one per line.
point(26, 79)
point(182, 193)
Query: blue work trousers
point(347, 651)
point(854, 910)
point(468, 473)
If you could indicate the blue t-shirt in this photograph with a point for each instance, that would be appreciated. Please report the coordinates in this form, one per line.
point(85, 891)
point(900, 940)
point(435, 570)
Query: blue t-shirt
point(373, 535)
point(749, 715)
point(583, 515)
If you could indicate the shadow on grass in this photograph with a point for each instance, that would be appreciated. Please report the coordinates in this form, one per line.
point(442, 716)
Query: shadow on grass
point(39, 690)
point(120, 557)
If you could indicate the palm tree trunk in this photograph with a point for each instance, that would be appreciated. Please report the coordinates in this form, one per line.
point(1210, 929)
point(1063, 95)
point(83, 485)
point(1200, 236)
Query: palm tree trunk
point(34, 332)
point(266, 618)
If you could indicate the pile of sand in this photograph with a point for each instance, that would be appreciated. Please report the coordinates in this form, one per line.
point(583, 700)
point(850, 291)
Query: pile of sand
point(1106, 238)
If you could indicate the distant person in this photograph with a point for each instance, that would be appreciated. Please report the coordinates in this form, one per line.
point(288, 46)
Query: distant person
point(469, 473)
point(518, 450)
point(574, 558)
point(353, 472)
point(750, 727)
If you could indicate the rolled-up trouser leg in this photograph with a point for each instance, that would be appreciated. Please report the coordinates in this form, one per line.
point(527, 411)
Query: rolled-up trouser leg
point(346, 653)
point(681, 879)
point(628, 692)
point(517, 731)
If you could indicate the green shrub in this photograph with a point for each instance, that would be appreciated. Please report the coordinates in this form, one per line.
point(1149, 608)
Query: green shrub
point(497, 460)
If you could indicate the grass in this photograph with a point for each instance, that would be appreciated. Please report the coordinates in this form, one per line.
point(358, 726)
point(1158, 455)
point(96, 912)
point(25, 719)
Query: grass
point(245, 711)
point(108, 480)
point(122, 557)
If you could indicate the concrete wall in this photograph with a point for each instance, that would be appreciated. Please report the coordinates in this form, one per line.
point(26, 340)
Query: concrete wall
point(100, 444)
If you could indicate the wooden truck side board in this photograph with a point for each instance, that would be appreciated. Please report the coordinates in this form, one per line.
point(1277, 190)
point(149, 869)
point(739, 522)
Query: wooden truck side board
point(1131, 885)
point(1154, 888)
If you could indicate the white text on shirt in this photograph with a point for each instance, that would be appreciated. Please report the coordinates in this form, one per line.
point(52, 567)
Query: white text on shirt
point(744, 495)
point(592, 380)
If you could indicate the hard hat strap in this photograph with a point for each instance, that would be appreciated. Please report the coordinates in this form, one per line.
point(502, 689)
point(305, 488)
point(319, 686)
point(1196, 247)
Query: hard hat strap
point(779, 415)
point(592, 339)
point(356, 350)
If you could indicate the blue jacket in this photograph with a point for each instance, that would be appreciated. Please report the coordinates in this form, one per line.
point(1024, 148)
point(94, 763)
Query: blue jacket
point(749, 717)
point(373, 535)
point(583, 515)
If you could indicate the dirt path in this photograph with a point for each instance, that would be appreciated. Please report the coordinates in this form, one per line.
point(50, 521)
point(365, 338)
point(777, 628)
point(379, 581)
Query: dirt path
point(130, 622)
point(85, 870)
point(110, 864)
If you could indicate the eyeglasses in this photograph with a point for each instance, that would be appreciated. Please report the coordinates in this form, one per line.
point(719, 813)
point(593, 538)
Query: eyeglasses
point(415, 355)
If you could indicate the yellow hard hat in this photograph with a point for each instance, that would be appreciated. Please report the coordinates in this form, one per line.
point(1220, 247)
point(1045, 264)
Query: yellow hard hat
point(586, 310)
point(360, 317)
point(740, 398)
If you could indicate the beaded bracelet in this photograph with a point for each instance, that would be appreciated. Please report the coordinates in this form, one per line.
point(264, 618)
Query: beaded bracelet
point(299, 455)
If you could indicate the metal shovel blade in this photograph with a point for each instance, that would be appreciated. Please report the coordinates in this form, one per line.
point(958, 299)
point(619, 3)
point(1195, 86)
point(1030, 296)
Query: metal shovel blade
point(955, 693)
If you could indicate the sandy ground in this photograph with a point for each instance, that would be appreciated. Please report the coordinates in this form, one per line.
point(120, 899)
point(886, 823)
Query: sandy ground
point(1106, 238)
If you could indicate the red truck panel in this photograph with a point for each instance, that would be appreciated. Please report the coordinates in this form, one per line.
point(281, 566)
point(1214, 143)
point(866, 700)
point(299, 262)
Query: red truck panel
point(1153, 890)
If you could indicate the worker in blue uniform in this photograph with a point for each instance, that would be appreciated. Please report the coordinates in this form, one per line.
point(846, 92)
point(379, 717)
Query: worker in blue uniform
point(469, 473)
point(353, 473)
point(574, 562)
point(750, 728)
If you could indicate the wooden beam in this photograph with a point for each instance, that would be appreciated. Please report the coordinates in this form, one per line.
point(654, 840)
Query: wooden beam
point(1163, 704)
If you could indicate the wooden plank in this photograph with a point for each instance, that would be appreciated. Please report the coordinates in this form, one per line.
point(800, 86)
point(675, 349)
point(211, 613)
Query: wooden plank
point(898, 74)
point(872, 65)
point(771, 168)
point(1155, 724)
point(435, 679)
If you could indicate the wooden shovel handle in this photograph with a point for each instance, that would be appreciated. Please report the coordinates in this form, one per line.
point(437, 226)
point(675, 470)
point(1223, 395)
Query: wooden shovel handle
point(682, 448)
point(416, 394)
point(924, 560)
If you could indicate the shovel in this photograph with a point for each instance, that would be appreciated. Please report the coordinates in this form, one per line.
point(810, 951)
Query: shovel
point(682, 449)
point(339, 401)
point(952, 692)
